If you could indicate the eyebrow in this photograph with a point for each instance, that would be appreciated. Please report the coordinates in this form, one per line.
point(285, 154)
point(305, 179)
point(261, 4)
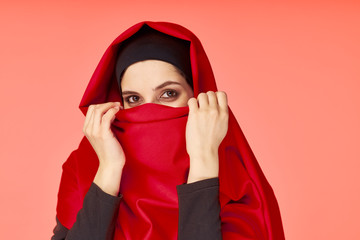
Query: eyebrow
point(157, 88)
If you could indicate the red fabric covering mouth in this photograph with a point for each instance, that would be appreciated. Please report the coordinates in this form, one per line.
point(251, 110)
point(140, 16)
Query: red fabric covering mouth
point(153, 139)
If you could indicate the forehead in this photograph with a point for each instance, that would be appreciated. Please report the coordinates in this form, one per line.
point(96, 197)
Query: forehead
point(149, 73)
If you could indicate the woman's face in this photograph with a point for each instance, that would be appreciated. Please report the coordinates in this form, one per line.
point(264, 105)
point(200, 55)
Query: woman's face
point(154, 81)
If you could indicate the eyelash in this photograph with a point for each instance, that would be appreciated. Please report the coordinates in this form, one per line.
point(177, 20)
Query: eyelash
point(171, 91)
point(127, 99)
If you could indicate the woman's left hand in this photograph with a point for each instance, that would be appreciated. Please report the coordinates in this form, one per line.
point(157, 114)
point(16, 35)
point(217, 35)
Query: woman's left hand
point(206, 127)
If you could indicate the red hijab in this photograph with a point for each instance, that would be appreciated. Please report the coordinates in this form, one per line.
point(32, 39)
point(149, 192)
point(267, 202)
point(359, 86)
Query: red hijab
point(153, 139)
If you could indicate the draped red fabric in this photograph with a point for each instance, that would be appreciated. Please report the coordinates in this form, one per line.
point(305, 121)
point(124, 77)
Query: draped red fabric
point(153, 139)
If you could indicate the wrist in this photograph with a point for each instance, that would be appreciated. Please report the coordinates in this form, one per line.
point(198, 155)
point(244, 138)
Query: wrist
point(111, 166)
point(108, 178)
point(204, 167)
point(202, 154)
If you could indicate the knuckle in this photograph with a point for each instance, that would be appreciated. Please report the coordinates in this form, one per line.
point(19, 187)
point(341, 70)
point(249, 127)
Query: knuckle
point(210, 93)
point(90, 109)
point(87, 133)
point(97, 110)
point(213, 112)
point(225, 115)
point(201, 94)
point(222, 93)
point(192, 99)
point(105, 117)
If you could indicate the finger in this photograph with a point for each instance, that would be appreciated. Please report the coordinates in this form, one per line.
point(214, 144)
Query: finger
point(103, 107)
point(193, 104)
point(203, 100)
point(212, 99)
point(109, 117)
point(222, 100)
point(88, 117)
point(99, 111)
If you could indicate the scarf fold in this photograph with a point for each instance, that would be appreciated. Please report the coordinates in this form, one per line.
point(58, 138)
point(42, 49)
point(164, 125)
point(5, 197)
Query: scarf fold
point(153, 139)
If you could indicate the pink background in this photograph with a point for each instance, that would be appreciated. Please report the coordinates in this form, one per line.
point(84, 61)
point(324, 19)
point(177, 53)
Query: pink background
point(291, 71)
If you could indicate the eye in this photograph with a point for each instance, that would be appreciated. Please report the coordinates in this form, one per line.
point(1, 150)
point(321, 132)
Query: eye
point(169, 94)
point(132, 99)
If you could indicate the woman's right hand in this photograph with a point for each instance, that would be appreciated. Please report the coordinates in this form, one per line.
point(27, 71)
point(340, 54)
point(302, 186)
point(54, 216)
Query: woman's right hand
point(97, 129)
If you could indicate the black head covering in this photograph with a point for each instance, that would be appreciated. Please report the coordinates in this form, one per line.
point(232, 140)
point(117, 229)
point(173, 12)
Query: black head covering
point(149, 43)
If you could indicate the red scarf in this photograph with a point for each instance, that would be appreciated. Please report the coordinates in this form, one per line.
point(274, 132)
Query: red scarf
point(153, 138)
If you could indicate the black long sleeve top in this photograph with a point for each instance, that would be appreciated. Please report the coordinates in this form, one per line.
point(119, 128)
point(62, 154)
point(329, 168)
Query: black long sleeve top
point(199, 211)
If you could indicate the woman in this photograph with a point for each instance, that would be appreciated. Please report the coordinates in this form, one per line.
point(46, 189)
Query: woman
point(165, 166)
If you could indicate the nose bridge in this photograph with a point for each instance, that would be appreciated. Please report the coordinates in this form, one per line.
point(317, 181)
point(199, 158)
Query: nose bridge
point(151, 99)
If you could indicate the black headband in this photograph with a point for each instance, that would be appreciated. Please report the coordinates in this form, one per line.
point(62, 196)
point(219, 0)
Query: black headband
point(148, 43)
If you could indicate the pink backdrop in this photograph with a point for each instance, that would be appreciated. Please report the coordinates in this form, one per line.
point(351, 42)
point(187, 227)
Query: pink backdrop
point(291, 71)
